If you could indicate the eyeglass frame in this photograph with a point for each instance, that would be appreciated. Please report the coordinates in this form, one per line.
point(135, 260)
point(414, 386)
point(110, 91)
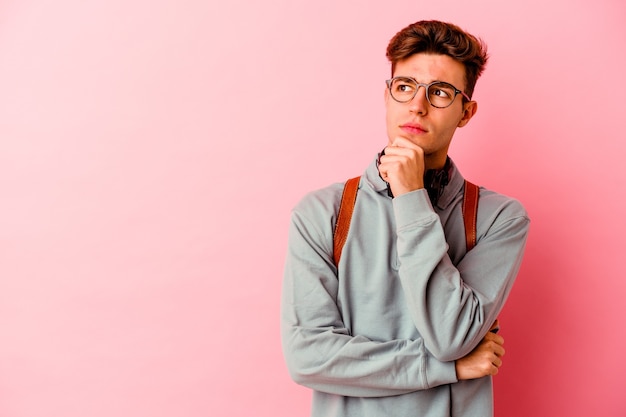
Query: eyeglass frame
point(426, 87)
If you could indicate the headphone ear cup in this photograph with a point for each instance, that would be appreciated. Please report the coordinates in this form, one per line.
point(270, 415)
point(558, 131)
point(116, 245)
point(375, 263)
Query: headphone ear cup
point(389, 192)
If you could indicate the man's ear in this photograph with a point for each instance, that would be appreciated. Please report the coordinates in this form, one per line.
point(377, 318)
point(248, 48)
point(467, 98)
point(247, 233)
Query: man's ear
point(469, 110)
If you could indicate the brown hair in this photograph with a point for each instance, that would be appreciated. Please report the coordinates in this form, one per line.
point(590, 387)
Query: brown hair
point(431, 36)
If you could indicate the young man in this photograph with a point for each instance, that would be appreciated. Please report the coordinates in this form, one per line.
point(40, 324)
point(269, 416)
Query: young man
point(401, 326)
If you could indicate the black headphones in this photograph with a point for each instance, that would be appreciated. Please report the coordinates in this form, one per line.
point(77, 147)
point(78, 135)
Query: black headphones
point(435, 180)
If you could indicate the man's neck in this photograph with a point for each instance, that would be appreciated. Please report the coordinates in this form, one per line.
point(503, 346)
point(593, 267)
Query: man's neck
point(435, 180)
point(435, 162)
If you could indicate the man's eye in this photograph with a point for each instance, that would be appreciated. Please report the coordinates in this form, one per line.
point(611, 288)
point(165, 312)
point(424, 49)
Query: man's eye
point(404, 88)
point(441, 93)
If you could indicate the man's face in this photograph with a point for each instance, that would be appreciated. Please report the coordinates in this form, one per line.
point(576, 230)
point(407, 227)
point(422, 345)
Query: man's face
point(428, 127)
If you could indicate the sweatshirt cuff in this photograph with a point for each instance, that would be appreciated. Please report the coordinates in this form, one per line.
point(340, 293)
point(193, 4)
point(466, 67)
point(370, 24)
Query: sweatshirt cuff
point(439, 373)
point(413, 208)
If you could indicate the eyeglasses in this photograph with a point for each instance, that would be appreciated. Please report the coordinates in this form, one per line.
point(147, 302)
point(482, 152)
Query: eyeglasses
point(438, 93)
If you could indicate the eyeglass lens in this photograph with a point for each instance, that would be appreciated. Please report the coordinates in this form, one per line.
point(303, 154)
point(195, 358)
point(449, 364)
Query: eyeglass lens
point(440, 94)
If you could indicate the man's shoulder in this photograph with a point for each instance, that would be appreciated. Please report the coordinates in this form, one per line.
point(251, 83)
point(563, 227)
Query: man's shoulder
point(322, 200)
point(500, 205)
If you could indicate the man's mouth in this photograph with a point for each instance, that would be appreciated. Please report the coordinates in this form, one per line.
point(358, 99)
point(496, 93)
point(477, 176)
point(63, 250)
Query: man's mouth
point(413, 128)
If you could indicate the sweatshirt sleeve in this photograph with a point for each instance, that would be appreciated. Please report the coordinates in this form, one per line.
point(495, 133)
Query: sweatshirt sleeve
point(453, 307)
point(319, 350)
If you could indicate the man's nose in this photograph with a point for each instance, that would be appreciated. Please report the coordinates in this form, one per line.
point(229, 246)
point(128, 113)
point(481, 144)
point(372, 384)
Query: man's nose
point(419, 104)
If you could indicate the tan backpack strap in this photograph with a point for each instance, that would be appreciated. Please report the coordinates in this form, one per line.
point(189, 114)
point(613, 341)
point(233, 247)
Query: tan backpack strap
point(348, 199)
point(470, 213)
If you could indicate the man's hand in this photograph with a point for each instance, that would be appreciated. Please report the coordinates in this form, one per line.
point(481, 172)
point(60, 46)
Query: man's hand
point(402, 166)
point(484, 360)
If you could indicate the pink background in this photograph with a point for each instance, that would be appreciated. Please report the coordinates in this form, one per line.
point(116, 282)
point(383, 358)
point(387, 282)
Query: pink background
point(150, 153)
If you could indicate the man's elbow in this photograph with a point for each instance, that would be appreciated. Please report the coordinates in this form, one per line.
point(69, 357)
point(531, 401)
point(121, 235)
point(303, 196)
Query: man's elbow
point(301, 370)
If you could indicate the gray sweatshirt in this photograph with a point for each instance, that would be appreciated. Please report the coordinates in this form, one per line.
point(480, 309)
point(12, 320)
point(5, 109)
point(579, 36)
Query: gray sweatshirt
point(379, 335)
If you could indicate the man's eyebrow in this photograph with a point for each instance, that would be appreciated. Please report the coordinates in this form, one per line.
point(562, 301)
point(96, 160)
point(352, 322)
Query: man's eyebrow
point(405, 77)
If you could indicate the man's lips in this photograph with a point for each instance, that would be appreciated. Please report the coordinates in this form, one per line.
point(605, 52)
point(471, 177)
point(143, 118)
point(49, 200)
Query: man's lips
point(413, 128)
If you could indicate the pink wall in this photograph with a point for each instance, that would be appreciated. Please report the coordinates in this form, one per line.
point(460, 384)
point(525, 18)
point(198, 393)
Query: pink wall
point(150, 152)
